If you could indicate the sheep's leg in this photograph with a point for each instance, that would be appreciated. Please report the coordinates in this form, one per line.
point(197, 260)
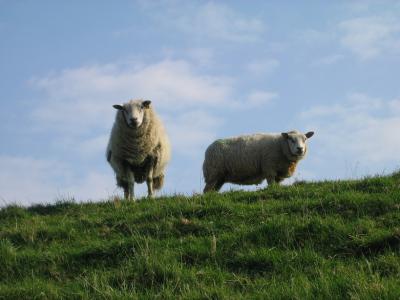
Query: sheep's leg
point(124, 176)
point(158, 182)
point(219, 184)
point(213, 186)
point(127, 187)
point(208, 187)
point(150, 191)
point(271, 180)
point(149, 178)
point(131, 194)
point(128, 194)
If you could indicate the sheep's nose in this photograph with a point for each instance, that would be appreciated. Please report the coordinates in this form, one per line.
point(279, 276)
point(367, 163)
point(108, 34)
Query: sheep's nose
point(134, 120)
point(300, 149)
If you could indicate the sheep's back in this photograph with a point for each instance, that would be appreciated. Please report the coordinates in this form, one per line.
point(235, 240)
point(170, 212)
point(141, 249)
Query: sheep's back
point(241, 157)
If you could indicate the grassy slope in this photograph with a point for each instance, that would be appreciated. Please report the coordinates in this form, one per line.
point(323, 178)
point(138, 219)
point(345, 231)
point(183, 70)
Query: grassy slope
point(313, 240)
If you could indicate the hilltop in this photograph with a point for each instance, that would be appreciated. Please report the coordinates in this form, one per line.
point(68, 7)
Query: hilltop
point(332, 239)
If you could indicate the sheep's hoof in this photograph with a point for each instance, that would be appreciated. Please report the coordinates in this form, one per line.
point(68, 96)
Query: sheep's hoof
point(129, 197)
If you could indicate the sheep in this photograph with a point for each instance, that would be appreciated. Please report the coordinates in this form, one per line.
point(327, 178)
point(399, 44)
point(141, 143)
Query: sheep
point(138, 149)
point(249, 159)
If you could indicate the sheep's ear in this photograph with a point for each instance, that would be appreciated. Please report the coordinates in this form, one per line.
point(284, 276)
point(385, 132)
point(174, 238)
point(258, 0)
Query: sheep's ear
point(309, 134)
point(285, 135)
point(118, 106)
point(146, 103)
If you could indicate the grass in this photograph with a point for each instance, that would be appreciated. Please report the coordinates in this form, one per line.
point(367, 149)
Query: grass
point(322, 240)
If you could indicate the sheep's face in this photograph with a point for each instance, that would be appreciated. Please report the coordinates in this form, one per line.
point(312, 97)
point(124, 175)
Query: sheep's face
point(133, 112)
point(297, 142)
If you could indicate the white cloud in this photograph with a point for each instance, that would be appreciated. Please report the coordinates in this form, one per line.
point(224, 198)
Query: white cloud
point(210, 20)
point(369, 37)
point(314, 37)
point(25, 180)
point(365, 6)
point(220, 21)
point(81, 98)
point(95, 186)
point(257, 98)
point(78, 102)
point(263, 66)
point(329, 60)
point(202, 56)
point(92, 145)
point(360, 131)
point(191, 132)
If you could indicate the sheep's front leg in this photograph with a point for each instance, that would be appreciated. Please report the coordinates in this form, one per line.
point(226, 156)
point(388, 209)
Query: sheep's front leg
point(149, 178)
point(127, 186)
point(124, 178)
point(150, 191)
point(279, 179)
point(128, 192)
point(271, 180)
point(149, 181)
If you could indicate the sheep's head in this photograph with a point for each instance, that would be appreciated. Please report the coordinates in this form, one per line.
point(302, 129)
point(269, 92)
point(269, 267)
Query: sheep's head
point(133, 112)
point(297, 142)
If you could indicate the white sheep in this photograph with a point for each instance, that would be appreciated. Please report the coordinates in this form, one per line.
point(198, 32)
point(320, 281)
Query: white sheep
point(250, 159)
point(138, 149)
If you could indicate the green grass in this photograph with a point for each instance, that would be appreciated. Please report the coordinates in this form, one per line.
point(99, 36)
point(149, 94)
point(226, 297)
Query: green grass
point(323, 240)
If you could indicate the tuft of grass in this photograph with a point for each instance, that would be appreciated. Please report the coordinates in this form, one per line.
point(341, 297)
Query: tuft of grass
point(311, 240)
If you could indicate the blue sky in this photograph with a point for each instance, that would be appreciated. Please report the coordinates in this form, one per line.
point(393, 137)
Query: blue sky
point(212, 69)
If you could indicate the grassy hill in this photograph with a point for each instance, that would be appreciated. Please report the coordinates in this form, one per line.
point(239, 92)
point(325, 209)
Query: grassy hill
point(325, 240)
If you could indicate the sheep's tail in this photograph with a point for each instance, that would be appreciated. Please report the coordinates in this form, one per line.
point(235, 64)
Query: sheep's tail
point(158, 182)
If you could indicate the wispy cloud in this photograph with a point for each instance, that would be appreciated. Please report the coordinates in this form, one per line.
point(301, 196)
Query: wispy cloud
point(262, 66)
point(79, 99)
point(369, 37)
point(221, 22)
point(313, 37)
point(257, 98)
point(25, 180)
point(360, 130)
point(192, 131)
point(210, 20)
point(328, 60)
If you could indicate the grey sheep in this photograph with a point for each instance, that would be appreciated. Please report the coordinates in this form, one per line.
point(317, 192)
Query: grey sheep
point(249, 159)
point(138, 149)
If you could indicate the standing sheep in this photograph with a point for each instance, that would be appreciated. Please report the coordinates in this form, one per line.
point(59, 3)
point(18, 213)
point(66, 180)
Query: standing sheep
point(138, 149)
point(250, 159)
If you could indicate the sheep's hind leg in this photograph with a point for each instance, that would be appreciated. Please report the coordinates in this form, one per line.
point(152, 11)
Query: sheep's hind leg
point(158, 182)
